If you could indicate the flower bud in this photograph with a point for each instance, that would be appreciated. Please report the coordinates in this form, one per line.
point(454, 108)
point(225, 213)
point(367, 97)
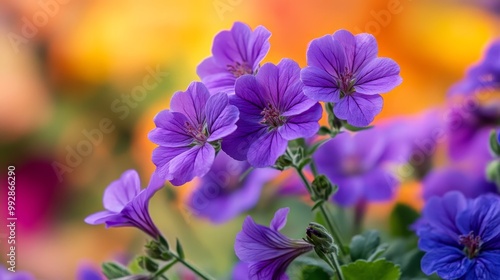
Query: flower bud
point(322, 188)
point(319, 236)
point(157, 251)
point(495, 142)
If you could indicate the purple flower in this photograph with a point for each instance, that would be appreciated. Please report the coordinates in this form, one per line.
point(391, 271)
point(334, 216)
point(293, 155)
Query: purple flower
point(235, 52)
point(443, 180)
point(240, 271)
point(344, 69)
point(226, 190)
point(273, 110)
point(485, 75)
point(127, 205)
point(469, 127)
point(359, 166)
point(17, 275)
point(186, 132)
point(88, 272)
point(267, 251)
point(461, 238)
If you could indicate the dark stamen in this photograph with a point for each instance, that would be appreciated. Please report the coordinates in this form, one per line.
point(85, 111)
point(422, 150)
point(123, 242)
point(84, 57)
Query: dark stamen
point(272, 117)
point(240, 69)
point(198, 133)
point(472, 244)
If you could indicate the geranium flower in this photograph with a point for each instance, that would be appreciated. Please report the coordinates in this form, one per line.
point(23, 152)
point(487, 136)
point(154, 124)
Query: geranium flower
point(344, 69)
point(188, 132)
point(267, 251)
point(127, 205)
point(235, 52)
point(273, 110)
point(460, 237)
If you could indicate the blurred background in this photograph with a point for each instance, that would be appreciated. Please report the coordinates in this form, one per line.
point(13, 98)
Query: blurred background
point(73, 73)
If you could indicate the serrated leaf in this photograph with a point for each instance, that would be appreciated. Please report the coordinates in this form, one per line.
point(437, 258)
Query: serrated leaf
point(400, 220)
point(364, 245)
point(377, 270)
point(180, 251)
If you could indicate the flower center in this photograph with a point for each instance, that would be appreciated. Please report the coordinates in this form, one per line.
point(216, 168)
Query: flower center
point(199, 133)
point(239, 69)
point(272, 117)
point(472, 244)
point(346, 83)
point(351, 165)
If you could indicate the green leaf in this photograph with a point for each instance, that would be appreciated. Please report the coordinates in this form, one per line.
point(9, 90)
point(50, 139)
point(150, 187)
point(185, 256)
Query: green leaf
point(114, 270)
point(311, 272)
point(354, 128)
point(364, 245)
point(377, 270)
point(400, 220)
point(180, 251)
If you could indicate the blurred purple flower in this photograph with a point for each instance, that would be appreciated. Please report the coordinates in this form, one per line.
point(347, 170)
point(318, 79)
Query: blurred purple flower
point(344, 69)
point(482, 76)
point(127, 205)
point(443, 180)
point(186, 132)
point(358, 165)
point(222, 193)
point(461, 238)
point(235, 52)
point(267, 251)
point(469, 128)
point(273, 110)
point(89, 272)
point(17, 275)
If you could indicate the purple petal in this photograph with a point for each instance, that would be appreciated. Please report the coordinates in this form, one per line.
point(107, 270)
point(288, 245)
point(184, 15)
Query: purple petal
point(191, 102)
point(191, 163)
point(448, 206)
point(350, 191)
point(99, 217)
point(327, 54)
point(248, 89)
point(379, 76)
point(319, 85)
point(358, 109)
point(238, 143)
point(291, 89)
point(171, 130)
point(360, 49)
point(279, 220)
point(265, 151)
point(162, 156)
point(120, 192)
point(303, 125)
point(486, 266)
point(448, 262)
point(259, 45)
point(380, 185)
point(215, 76)
point(221, 117)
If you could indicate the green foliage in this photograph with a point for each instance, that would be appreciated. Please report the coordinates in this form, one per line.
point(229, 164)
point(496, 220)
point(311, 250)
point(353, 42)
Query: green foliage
point(366, 246)
point(114, 270)
point(400, 220)
point(376, 270)
point(180, 251)
point(494, 145)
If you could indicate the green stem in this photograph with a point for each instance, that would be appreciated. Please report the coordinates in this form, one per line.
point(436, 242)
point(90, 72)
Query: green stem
point(338, 270)
point(186, 264)
point(333, 230)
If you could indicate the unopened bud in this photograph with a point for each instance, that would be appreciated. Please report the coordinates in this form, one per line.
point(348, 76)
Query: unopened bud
point(322, 188)
point(319, 236)
point(157, 251)
point(493, 172)
point(495, 142)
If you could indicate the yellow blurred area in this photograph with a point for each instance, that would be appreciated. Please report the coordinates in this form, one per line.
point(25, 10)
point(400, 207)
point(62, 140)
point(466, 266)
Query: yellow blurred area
point(91, 54)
